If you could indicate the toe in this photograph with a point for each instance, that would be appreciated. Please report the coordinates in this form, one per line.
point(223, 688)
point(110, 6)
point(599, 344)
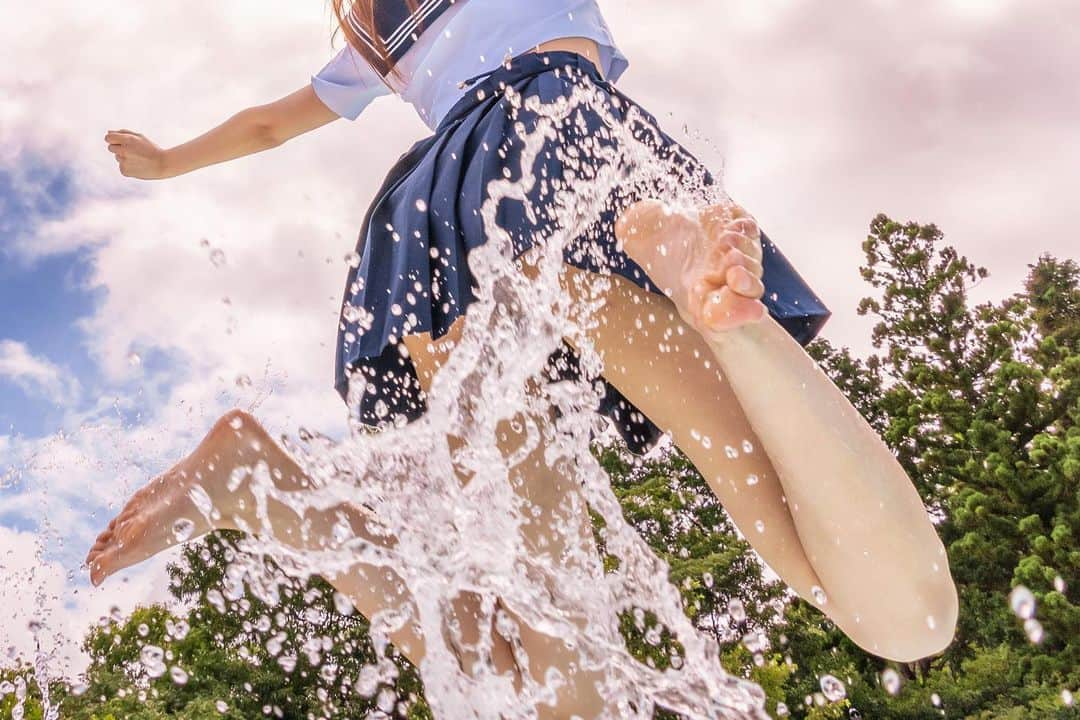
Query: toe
point(745, 243)
point(99, 569)
point(745, 283)
point(726, 310)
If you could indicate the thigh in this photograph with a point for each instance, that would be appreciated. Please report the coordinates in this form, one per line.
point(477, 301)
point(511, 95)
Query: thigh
point(429, 355)
point(666, 370)
point(555, 505)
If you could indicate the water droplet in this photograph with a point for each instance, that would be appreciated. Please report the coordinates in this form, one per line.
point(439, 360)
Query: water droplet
point(143, 629)
point(756, 641)
point(747, 447)
point(243, 381)
point(202, 501)
point(221, 706)
point(832, 688)
point(1022, 602)
point(180, 630)
point(1034, 630)
point(183, 529)
point(736, 610)
point(931, 622)
point(890, 680)
point(421, 205)
point(215, 598)
point(707, 578)
point(819, 595)
point(1059, 584)
point(352, 259)
point(274, 644)
point(343, 604)
point(217, 257)
point(731, 452)
point(152, 657)
point(752, 479)
point(782, 710)
point(134, 359)
point(287, 663)
point(759, 526)
point(1067, 698)
point(935, 699)
point(178, 675)
point(237, 477)
point(236, 423)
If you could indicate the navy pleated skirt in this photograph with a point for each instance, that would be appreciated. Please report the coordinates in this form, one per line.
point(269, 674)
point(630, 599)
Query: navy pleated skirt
point(413, 275)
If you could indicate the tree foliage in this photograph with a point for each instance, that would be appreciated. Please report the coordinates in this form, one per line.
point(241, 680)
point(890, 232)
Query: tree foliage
point(979, 402)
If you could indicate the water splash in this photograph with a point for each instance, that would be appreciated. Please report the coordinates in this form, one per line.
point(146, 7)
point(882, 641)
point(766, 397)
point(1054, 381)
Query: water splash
point(444, 537)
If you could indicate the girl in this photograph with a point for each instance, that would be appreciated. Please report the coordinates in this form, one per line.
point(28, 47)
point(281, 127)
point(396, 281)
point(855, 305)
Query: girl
point(846, 529)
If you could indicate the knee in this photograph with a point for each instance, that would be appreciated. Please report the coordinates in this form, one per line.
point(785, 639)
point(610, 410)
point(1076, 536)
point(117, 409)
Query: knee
point(235, 421)
point(921, 625)
point(938, 612)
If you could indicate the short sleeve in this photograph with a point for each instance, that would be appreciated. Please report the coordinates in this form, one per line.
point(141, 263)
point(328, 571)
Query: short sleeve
point(347, 84)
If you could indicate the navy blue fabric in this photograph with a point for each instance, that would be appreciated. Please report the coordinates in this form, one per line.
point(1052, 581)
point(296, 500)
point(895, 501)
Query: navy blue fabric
point(400, 27)
point(413, 275)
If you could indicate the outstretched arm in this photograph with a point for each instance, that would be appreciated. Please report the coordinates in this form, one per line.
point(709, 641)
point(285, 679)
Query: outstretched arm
point(249, 131)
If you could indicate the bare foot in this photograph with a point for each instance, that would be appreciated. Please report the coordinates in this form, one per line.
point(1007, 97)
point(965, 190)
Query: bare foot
point(187, 501)
point(162, 514)
point(709, 265)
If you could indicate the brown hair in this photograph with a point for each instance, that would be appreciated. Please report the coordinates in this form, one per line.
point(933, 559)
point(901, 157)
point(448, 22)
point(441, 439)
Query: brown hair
point(361, 17)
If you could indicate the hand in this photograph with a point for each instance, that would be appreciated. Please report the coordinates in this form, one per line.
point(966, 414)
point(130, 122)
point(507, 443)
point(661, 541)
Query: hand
point(137, 156)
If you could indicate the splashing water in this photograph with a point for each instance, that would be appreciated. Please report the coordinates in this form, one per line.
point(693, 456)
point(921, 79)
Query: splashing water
point(442, 538)
point(450, 537)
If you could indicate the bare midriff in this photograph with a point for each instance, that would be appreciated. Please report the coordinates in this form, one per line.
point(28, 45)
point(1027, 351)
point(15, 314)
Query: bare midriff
point(582, 46)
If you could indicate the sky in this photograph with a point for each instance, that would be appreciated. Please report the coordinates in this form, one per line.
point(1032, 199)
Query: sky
point(121, 341)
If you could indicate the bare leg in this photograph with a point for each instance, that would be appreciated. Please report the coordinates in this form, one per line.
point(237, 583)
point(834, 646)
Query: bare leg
point(172, 509)
point(880, 593)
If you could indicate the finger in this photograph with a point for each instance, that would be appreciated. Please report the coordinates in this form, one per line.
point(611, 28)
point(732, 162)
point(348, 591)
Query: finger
point(744, 283)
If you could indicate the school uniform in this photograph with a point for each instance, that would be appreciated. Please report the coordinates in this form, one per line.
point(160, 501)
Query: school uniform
point(456, 59)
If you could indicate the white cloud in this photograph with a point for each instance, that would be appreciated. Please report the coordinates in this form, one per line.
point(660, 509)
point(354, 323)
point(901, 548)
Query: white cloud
point(821, 115)
point(41, 609)
point(35, 374)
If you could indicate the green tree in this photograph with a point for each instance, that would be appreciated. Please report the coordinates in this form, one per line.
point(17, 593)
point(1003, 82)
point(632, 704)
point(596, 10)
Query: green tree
point(235, 657)
point(979, 402)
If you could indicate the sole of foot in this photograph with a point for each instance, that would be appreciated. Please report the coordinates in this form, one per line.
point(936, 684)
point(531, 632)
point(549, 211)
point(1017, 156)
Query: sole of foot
point(708, 262)
point(164, 513)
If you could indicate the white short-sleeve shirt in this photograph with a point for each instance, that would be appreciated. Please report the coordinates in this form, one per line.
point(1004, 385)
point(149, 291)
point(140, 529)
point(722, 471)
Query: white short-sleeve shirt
point(468, 38)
